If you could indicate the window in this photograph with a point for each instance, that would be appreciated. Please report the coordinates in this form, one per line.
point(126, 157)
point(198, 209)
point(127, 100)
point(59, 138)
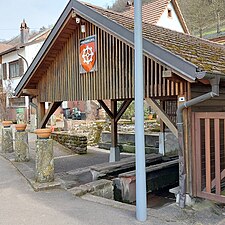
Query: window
point(17, 102)
point(170, 13)
point(16, 68)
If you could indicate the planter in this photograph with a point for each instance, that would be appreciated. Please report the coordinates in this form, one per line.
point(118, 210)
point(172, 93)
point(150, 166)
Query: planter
point(7, 123)
point(20, 127)
point(43, 133)
point(150, 116)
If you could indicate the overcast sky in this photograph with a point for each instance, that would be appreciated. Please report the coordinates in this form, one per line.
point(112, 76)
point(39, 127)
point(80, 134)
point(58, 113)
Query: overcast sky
point(37, 13)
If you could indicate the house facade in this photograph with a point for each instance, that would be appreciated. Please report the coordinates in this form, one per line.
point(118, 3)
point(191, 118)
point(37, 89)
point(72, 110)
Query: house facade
point(14, 62)
point(163, 13)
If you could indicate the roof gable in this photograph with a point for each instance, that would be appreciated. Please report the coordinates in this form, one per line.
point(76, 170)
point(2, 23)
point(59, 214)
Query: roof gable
point(183, 53)
point(152, 11)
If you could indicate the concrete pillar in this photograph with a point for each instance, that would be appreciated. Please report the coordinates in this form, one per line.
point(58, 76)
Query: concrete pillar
point(44, 161)
point(7, 140)
point(21, 146)
point(114, 154)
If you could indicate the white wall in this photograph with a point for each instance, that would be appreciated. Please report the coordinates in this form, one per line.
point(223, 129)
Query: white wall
point(31, 51)
point(171, 23)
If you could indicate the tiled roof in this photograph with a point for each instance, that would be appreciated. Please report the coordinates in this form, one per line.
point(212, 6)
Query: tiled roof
point(206, 55)
point(15, 42)
point(4, 47)
point(151, 12)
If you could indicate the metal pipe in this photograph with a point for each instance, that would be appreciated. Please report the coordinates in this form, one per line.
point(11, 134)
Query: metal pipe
point(141, 201)
point(182, 166)
point(22, 57)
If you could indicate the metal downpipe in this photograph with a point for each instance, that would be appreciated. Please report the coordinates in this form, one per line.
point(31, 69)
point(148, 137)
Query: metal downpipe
point(182, 167)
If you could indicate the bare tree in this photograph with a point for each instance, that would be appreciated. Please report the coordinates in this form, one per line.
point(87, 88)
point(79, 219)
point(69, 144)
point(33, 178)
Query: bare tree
point(217, 8)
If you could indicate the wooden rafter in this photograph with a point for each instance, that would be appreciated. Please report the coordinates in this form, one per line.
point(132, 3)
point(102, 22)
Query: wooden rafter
point(105, 107)
point(50, 111)
point(122, 109)
point(162, 115)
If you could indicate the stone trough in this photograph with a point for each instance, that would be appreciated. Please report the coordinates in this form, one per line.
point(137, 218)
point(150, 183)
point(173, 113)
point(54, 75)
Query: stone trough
point(127, 164)
point(157, 177)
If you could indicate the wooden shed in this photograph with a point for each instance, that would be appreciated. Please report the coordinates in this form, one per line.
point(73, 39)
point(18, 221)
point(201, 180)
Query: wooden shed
point(180, 71)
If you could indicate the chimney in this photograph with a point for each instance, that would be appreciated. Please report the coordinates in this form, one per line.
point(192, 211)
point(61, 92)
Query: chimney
point(24, 32)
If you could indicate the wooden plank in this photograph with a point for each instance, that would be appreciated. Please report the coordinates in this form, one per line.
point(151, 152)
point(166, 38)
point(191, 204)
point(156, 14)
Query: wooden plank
point(31, 92)
point(147, 85)
point(156, 79)
point(207, 155)
point(217, 156)
point(198, 155)
point(160, 80)
point(162, 115)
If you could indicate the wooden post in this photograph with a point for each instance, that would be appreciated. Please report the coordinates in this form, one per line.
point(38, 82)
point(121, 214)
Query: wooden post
point(114, 150)
point(41, 113)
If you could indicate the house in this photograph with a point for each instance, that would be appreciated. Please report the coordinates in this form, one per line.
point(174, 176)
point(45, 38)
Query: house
point(14, 61)
point(163, 13)
point(89, 55)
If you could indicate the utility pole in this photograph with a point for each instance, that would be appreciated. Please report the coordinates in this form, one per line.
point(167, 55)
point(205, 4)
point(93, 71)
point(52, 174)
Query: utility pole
point(141, 202)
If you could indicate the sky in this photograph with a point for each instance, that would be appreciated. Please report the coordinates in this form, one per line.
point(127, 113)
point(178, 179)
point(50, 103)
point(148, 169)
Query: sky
point(37, 13)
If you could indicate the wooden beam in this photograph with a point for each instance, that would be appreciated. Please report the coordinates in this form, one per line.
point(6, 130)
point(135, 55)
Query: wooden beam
point(114, 123)
point(41, 112)
point(105, 107)
point(162, 115)
point(50, 111)
point(122, 109)
point(31, 92)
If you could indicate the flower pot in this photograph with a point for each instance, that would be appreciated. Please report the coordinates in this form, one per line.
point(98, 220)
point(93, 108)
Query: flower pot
point(150, 116)
point(43, 133)
point(7, 123)
point(20, 127)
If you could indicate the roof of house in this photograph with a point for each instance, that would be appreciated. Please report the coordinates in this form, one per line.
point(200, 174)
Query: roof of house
point(152, 11)
point(185, 54)
point(34, 38)
point(4, 47)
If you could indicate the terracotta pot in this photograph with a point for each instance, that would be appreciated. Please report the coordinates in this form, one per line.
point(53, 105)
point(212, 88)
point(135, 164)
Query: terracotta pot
point(43, 133)
point(150, 116)
point(7, 123)
point(20, 127)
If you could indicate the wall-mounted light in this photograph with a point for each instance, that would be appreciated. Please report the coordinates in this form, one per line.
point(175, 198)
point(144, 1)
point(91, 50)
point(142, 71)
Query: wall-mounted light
point(77, 19)
point(82, 27)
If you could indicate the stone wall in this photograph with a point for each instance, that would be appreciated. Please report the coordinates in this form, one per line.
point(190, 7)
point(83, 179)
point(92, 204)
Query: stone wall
point(77, 143)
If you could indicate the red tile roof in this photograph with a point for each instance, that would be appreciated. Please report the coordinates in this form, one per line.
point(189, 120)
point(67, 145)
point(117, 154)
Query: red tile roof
point(4, 47)
point(151, 12)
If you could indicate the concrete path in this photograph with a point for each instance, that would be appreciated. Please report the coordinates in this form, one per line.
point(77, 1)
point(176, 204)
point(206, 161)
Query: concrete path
point(20, 205)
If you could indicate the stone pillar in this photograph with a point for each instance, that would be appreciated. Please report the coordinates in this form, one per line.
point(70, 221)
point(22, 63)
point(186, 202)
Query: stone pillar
point(44, 161)
point(21, 146)
point(7, 140)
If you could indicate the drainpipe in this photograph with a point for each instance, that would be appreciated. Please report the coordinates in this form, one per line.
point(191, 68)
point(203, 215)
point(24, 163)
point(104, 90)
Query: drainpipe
point(182, 167)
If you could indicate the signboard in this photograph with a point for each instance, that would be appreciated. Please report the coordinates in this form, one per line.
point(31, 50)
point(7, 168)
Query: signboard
point(88, 54)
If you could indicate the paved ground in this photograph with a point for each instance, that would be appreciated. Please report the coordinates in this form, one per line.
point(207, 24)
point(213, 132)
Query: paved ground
point(19, 204)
